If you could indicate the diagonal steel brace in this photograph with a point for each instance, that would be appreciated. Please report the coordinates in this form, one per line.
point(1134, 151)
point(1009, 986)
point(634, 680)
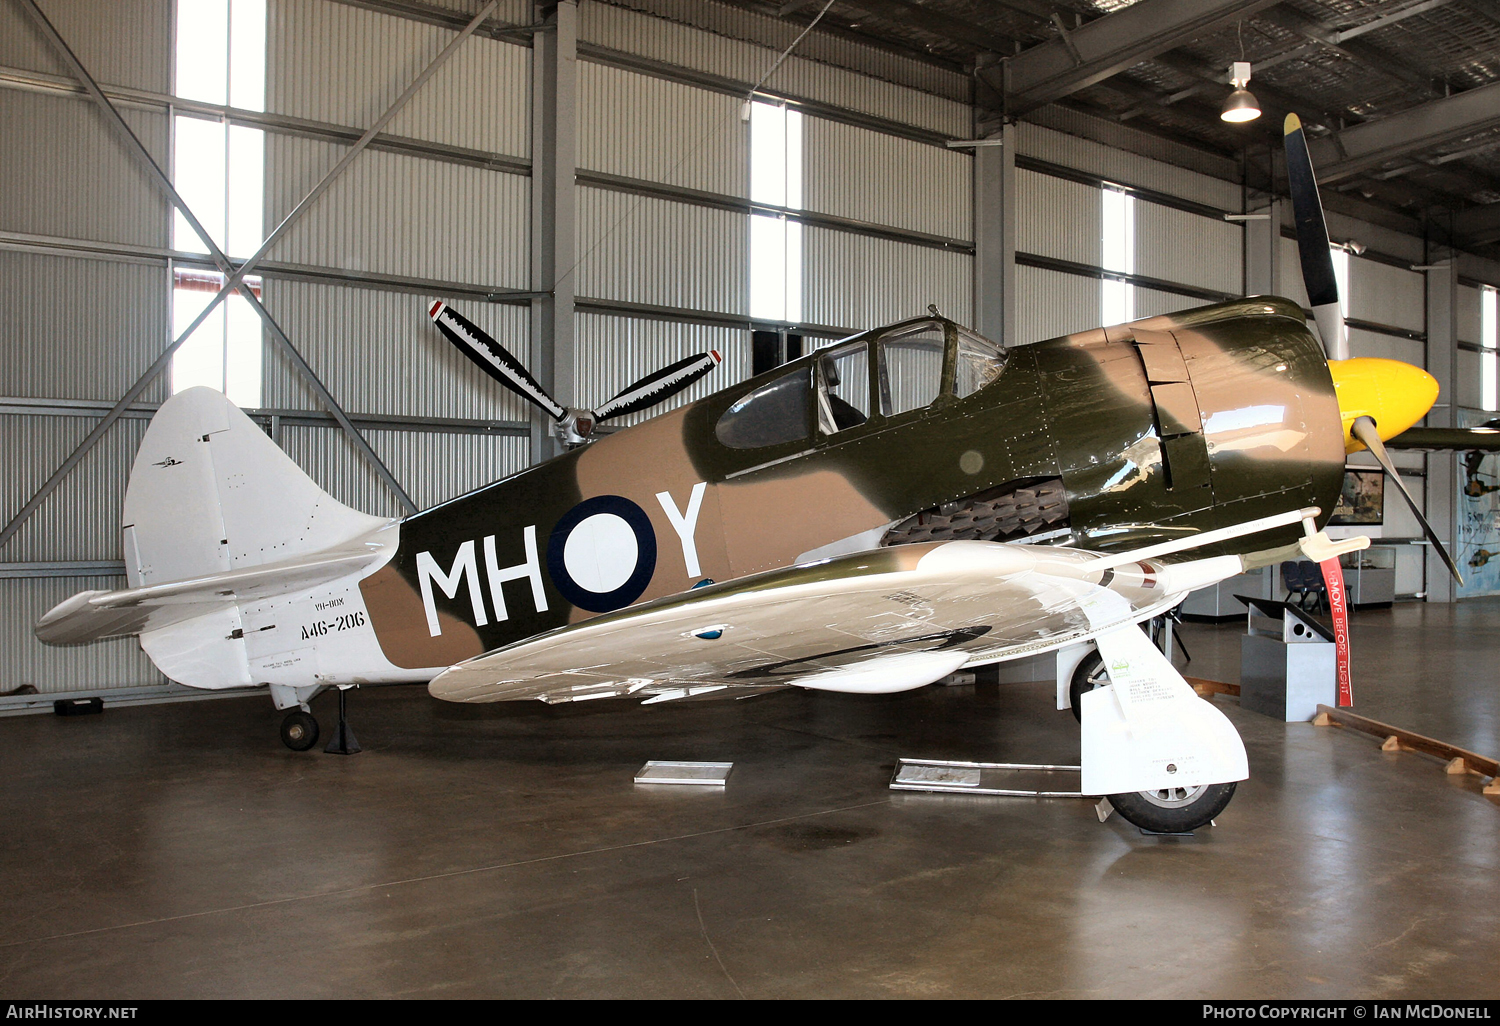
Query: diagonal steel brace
point(234, 275)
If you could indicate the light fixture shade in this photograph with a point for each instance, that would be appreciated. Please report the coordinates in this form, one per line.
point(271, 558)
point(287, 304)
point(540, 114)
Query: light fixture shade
point(1241, 106)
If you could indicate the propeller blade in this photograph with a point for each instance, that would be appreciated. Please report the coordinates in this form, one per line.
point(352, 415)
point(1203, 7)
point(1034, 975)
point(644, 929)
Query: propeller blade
point(1312, 243)
point(665, 383)
point(1363, 429)
point(493, 358)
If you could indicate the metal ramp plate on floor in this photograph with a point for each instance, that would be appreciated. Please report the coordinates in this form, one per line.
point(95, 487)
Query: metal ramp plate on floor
point(992, 778)
point(702, 774)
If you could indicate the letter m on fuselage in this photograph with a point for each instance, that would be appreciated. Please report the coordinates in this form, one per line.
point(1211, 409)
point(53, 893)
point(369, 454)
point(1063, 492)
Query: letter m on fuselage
point(465, 569)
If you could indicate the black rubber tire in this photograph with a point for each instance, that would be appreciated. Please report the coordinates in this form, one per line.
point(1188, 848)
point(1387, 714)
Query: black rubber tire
point(1179, 816)
point(1089, 674)
point(299, 731)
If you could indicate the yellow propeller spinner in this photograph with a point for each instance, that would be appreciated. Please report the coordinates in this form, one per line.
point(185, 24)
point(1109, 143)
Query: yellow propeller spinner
point(1393, 394)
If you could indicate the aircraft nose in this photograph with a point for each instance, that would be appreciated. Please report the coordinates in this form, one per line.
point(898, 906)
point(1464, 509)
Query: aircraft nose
point(1393, 394)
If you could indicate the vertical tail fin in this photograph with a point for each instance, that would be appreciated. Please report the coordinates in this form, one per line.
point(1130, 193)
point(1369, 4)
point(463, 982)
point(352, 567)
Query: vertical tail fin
point(209, 492)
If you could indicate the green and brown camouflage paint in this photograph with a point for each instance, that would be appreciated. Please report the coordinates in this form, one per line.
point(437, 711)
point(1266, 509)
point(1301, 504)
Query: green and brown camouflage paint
point(1167, 426)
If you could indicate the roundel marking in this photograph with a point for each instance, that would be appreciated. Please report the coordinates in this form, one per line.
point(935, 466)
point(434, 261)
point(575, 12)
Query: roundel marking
point(602, 554)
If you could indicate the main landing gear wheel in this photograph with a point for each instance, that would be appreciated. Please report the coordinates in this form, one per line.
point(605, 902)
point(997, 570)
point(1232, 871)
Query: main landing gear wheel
point(1089, 675)
point(299, 731)
point(1170, 810)
point(1173, 810)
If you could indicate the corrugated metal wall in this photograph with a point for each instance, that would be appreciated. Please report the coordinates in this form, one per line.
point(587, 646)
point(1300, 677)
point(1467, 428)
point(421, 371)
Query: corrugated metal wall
point(1061, 218)
point(75, 328)
point(1053, 303)
point(919, 187)
point(860, 281)
point(337, 63)
point(671, 42)
point(378, 352)
point(855, 281)
point(1387, 295)
point(1180, 246)
point(1124, 167)
point(1469, 315)
point(679, 135)
point(640, 249)
point(126, 44)
point(1058, 218)
point(106, 666)
point(1468, 379)
point(432, 465)
point(66, 175)
point(1151, 302)
point(84, 329)
point(397, 214)
point(81, 519)
point(735, 22)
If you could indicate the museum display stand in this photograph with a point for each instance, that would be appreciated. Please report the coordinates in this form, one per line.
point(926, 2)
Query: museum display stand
point(1287, 662)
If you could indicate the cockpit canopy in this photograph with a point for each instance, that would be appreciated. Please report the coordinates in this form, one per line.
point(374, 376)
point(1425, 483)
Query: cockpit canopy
point(887, 375)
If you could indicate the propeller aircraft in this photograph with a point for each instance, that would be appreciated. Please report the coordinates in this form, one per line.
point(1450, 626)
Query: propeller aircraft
point(867, 519)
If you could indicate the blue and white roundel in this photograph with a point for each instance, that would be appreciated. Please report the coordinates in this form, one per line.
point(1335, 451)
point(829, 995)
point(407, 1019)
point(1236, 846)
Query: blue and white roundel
point(602, 553)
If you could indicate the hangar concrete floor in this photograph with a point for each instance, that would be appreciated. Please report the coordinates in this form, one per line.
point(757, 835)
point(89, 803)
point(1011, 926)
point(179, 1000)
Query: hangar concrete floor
point(502, 851)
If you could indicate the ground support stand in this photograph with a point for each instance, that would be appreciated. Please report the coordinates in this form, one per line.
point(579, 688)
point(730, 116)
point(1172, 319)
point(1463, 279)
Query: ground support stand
point(344, 741)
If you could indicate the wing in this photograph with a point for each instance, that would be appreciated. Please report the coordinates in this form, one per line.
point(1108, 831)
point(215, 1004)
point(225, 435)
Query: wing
point(886, 620)
point(1482, 439)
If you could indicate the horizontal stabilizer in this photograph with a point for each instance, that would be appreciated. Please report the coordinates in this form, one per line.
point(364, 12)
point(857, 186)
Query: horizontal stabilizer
point(95, 615)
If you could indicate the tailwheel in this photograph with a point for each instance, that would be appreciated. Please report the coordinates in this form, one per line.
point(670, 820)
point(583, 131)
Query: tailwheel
point(1173, 810)
point(299, 731)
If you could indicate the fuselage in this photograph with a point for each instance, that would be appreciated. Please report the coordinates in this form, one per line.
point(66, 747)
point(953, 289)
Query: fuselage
point(1106, 439)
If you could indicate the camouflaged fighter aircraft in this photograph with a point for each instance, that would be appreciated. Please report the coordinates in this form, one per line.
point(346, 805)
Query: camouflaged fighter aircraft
point(867, 519)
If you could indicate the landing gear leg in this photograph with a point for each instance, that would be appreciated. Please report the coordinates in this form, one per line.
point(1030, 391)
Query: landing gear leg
point(343, 742)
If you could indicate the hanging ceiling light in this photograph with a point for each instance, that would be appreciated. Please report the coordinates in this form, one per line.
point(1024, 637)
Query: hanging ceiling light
point(1241, 104)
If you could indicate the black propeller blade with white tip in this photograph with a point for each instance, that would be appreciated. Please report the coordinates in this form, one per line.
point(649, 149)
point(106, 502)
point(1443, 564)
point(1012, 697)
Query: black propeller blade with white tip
point(663, 384)
point(1363, 429)
point(1312, 243)
point(493, 358)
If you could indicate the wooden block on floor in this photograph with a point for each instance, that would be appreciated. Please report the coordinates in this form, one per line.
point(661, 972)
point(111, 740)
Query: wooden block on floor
point(1395, 739)
point(1322, 720)
point(1209, 688)
point(1457, 767)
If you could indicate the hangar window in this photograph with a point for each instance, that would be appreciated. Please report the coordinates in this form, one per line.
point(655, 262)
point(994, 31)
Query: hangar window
point(1340, 257)
point(773, 414)
point(219, 168)
point(1117, 253)
point(1489, 329)
point(775, 240)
